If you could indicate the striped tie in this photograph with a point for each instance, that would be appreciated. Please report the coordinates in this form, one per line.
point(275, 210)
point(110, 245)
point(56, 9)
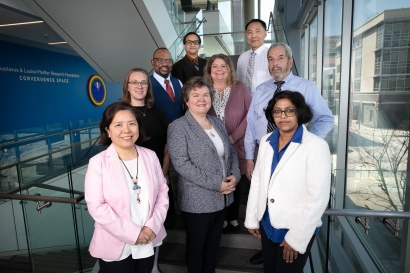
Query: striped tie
point(271, 126)
point(196, 65)
point(249, 71)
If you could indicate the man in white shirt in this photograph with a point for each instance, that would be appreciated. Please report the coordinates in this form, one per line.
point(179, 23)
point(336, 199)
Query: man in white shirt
point(258, 67)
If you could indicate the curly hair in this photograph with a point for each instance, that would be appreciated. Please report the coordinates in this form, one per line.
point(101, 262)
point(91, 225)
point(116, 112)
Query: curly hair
point(231, 80)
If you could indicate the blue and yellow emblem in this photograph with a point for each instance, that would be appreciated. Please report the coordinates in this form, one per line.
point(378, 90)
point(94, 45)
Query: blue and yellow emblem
point(97, 90)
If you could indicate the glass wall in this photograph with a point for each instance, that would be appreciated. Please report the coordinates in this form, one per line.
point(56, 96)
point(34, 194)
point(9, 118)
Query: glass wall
point(379, 128)
point(366, 84)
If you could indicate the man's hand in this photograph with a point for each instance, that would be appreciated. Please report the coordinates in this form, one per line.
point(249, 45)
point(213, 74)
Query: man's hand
point(250, 165)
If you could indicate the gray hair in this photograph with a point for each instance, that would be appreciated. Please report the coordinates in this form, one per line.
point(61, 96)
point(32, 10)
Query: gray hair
point(285, 46)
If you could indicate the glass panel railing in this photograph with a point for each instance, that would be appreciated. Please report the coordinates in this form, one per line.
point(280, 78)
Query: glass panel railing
point(217, 36)
point(373, 238)
point(57, 234)
point(38, 154)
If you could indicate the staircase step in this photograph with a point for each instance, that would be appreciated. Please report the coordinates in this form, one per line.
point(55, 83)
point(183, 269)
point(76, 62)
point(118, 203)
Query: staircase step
point(172, 256)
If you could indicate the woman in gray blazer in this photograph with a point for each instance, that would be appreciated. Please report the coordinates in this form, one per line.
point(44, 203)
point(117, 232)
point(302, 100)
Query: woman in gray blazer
point(208, 170)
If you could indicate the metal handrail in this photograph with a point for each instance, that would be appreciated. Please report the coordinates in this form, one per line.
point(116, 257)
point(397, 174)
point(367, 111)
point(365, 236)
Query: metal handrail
point(367, 213)
point(38, 198)
point(30, 139)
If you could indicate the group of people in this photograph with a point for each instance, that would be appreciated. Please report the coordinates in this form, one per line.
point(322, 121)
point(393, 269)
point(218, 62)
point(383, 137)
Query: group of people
point(198, 125)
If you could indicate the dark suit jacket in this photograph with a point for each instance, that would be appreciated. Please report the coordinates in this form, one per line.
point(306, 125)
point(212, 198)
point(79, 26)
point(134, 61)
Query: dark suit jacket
point(185, 69)
point(194, 157)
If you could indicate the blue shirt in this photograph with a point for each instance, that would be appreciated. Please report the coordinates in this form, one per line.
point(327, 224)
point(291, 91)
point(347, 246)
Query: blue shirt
point(322, 121)
point(278, 235)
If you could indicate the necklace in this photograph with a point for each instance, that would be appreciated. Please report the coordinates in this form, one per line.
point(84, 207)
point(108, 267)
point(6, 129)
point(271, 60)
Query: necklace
point(210, 132)
point(136, 187)
point(143, 113)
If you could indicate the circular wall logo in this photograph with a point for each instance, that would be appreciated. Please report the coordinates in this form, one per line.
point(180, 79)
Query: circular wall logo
point(96, 90)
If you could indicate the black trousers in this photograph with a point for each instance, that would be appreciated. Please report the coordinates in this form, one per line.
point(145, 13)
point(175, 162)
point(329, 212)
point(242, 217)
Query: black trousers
point(128, 265)
point(273, 261)
point(203, 235)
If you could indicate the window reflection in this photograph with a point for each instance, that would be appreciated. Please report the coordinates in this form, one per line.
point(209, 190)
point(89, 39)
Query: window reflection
point(379, 114)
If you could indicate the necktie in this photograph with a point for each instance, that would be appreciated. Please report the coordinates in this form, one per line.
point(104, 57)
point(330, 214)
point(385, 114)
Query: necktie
point(196, 65)
point(168, 88)
point(249, 71)
point(271, 126)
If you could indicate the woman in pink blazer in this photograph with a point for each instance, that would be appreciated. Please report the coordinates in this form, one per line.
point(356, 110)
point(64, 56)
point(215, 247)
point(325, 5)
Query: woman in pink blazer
point(230, 104)
point(126, 194)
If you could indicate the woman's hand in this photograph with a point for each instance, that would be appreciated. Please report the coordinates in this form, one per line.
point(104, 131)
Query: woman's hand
point(228, 185)
point(255, 232)
point(289, 254)
point(146, 236)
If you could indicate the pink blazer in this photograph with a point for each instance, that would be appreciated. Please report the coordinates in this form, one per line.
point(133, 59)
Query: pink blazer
point(108, 202)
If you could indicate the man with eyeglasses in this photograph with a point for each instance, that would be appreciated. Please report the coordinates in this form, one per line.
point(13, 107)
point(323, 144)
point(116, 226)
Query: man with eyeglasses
point(191, 64)
point(165, 88)
point(280, 61)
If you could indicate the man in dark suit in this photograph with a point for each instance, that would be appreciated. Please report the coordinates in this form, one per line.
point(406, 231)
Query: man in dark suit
point(165, 88)
point(191, 65)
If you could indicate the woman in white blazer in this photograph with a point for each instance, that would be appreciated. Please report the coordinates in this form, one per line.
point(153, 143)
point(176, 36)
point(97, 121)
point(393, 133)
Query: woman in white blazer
point(290, 186)
point(126, 195)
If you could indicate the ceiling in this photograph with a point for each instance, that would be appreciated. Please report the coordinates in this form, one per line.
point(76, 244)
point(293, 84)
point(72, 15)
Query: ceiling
point(111, 36)
point(36, 35)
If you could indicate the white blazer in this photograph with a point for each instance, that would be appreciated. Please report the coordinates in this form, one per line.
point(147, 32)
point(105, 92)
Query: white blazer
point(297, 192)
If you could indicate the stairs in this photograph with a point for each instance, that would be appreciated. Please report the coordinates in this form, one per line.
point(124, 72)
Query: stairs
point(234, 251)
point(63, 261)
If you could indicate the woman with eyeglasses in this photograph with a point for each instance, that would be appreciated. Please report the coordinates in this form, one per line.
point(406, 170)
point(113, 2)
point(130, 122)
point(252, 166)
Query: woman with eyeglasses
point(137, 91)
point(231, 101)
point(290, 186)
point(126, 195)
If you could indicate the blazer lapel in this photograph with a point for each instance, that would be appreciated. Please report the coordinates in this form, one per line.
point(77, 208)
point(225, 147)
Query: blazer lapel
point(117, 177)
point(198, 131)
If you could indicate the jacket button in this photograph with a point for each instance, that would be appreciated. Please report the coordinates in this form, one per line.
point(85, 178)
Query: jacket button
point(272, 200)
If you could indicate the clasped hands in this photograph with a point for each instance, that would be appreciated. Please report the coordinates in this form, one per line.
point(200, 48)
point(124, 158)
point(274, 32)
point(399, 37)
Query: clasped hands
point(228, 185)
point(145, 237)
point(289, 254)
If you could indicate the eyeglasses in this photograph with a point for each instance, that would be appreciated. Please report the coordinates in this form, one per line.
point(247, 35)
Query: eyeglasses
point(135, 84)
point(189, 42)
point(289, 112)
point(161, 61)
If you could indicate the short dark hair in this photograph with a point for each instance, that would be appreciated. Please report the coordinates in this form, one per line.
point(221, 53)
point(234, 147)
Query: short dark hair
point(256, 21)
point(189, 33)
point(108, 116)
point(160, 48)
point(303, 111)
point(126, 96)
point(193, 83)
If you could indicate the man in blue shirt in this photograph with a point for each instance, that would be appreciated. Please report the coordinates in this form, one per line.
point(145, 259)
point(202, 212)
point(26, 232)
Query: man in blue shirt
point(280, 62)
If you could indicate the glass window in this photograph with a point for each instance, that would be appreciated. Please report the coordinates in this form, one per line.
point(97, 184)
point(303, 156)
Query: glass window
point(313, 50)
point(379, 129)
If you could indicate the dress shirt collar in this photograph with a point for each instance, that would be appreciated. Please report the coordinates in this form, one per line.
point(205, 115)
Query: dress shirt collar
point(192, 59)
point(273, 139)
point(161, 79)
point(260, 50)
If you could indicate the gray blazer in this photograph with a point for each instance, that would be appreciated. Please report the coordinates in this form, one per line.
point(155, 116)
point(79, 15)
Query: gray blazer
point(194, 157)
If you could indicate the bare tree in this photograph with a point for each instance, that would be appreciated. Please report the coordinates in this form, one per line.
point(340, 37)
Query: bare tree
point(383, 153)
